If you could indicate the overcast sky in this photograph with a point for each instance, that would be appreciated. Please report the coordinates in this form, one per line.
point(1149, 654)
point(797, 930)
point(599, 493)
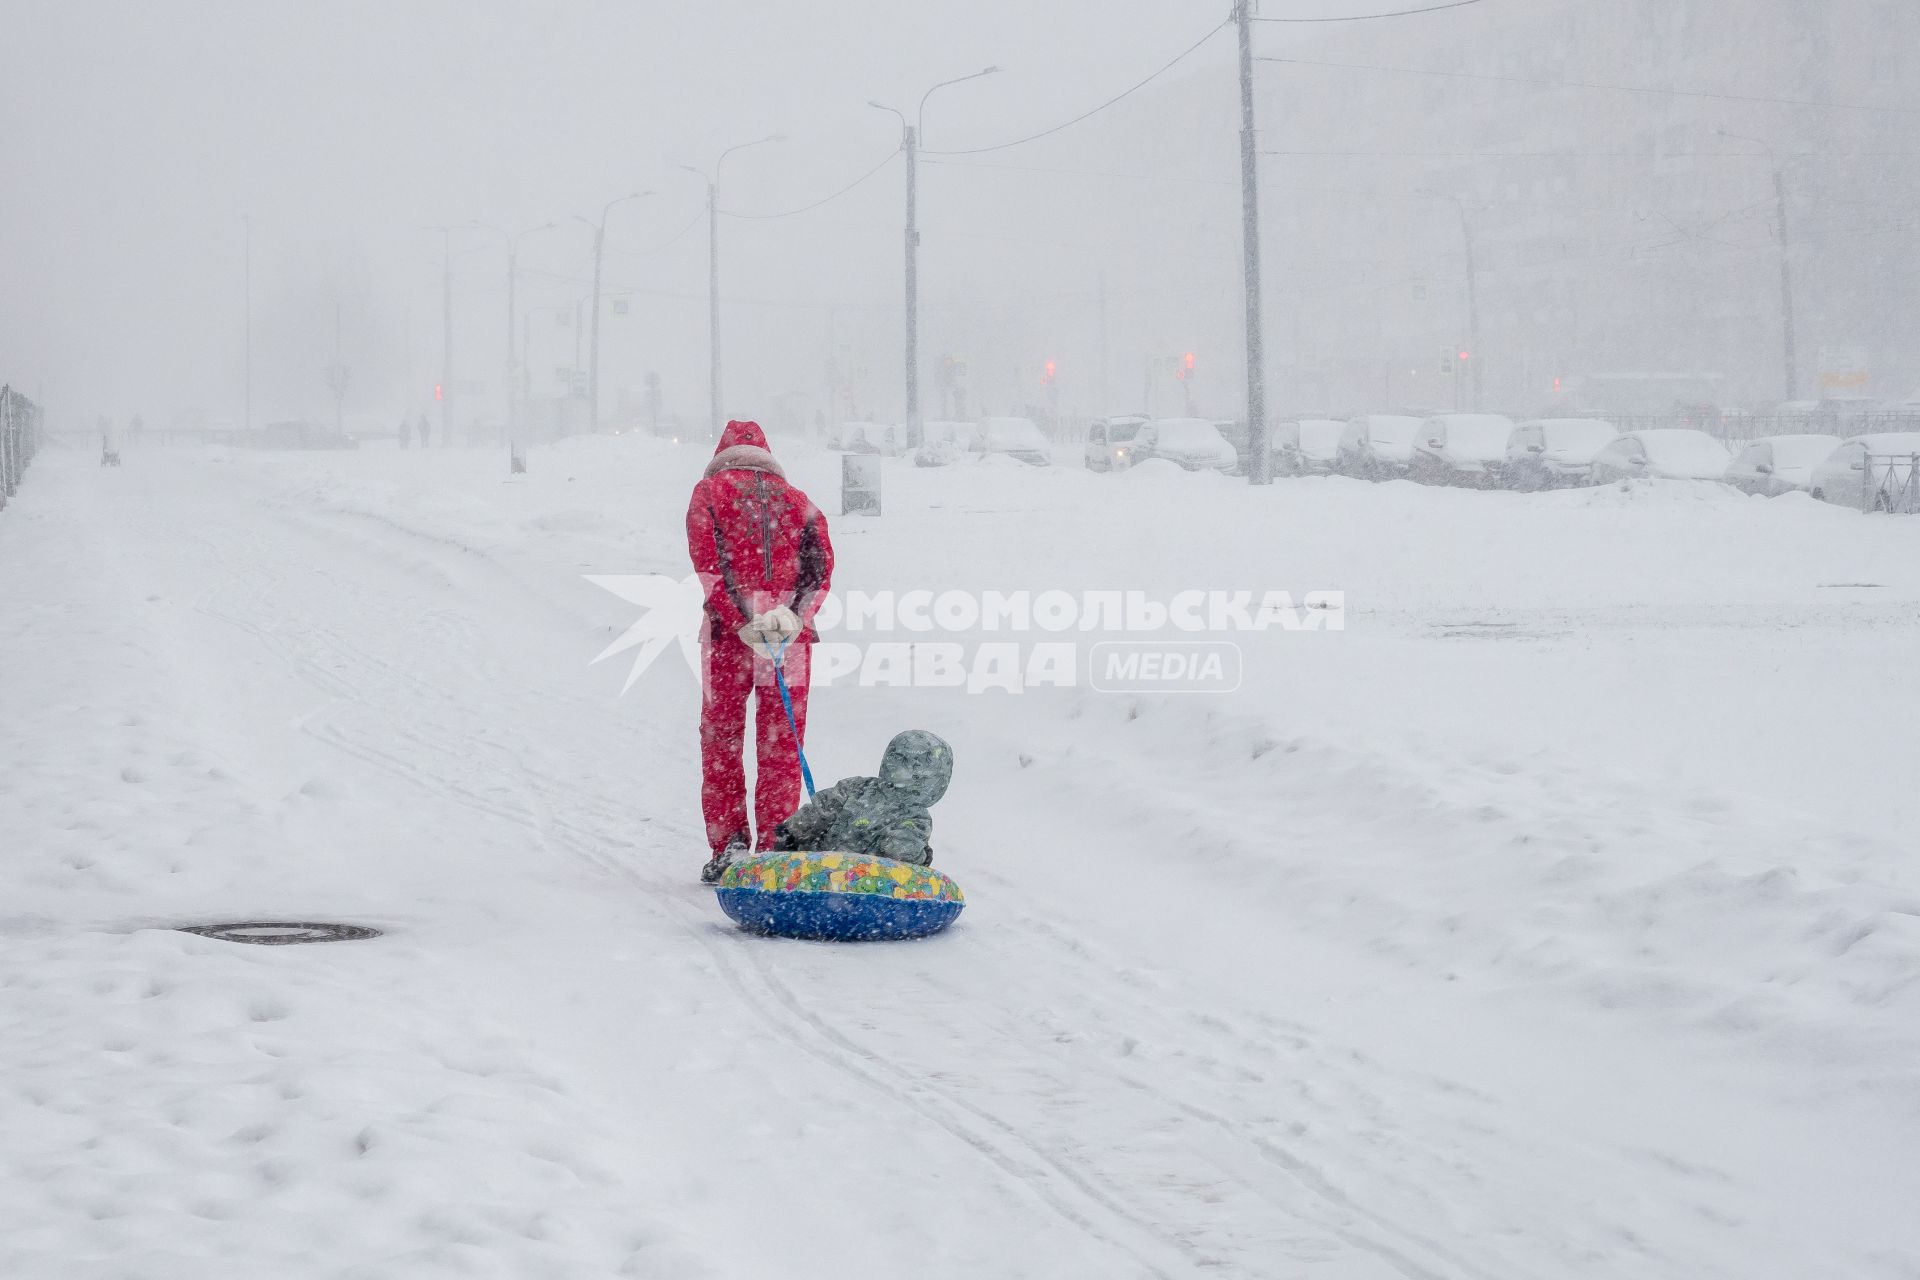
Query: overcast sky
point(138, 134)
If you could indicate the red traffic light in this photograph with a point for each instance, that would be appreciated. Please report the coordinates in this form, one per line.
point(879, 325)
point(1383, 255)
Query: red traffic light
point(1465, 356)
point(1051, 369)
point(1186, 366)
point(439, 392)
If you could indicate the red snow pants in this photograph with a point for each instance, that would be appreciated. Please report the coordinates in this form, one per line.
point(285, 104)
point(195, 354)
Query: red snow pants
point(729, 671)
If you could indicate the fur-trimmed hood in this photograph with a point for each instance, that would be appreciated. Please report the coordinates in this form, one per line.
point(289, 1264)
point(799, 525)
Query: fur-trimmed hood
point(745, 457)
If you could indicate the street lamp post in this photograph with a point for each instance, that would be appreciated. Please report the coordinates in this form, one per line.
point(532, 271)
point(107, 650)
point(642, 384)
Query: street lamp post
point(1789, 337)
point(713, 273)
point(910, 136)
point(513, 285)
point(593, 353)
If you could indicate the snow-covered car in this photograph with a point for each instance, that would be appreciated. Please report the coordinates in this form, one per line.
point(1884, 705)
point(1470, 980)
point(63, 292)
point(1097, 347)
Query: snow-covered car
point(1670, 453)
point(1377, 446)
point(1550, 453)
point(867, 437)
point(1779, 464)
point(1013, 438)
point(942, 443)
point(1309, 447)
point(1192, 443)
point(1461, 449)
point(1111, 442)
point(1843, 478)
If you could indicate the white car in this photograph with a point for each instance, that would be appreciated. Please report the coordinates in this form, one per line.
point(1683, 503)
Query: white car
point(1111, 443)
point(1779, 464)
point(1193, 443)
point(1309, 447)
point(868, 437)
point(1670, 453)
point(1462, 449)
point(1013, 437)
point(942, 443)
point(1552, 453)
point(1377, 446)
point(1882, 460)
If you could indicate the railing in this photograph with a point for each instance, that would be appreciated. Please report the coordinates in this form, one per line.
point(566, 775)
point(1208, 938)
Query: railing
point(1892, 483)
point(19, 440)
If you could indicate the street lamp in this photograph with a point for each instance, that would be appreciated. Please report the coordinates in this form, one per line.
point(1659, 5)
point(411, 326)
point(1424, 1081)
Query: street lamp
point(910, 135)
point(713, 271)
point(513, 281)
point(1787, 326)
point(593, 353)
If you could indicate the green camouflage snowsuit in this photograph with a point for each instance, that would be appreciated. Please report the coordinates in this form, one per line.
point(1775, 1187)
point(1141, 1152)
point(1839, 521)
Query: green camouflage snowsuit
point(888, 815)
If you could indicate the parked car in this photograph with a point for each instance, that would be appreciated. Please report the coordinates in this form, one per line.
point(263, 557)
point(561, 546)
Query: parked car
point(1309, 447)
point(1550, 453)
point(1377, 446)
point(1779, 464)
point(1461, 449)
point(1670, 453)
point(1111, 443)
point(1012, 437)
point(942, 443)
point(1193, 443)
point(867, 437)
point(1843, 478)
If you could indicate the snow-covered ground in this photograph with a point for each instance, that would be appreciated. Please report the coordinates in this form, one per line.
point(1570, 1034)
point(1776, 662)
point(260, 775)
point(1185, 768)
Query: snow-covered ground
point(1557, 918)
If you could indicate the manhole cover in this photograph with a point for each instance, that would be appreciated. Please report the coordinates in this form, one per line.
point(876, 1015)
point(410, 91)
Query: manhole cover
point(265, 933)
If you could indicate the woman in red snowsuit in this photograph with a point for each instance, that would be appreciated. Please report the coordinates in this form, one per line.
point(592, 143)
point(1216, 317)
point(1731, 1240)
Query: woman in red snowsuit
point(760, 547)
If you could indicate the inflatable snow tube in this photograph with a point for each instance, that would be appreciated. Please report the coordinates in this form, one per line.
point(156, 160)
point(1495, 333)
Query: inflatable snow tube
point(839, 897)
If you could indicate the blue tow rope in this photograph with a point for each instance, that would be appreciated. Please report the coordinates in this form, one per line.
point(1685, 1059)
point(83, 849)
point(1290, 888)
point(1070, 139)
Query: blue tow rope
point(786, 700)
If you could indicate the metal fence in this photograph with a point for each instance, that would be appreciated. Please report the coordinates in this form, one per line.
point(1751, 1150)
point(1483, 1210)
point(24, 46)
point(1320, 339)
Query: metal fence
point(20, 422)
point(1893, 483)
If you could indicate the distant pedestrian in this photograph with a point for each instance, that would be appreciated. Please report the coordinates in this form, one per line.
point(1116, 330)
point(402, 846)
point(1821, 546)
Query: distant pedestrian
point(425, 430)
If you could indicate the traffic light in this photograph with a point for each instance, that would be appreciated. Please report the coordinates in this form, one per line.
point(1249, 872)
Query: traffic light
point(1047, 375)
point(1465, 356)
point(439, 392)
point(1186, 367)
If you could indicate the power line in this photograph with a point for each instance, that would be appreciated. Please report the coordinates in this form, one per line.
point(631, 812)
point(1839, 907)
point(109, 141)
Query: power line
point(792, 213)
point(1371, 17)
point(1088, 115)
point(1588, 84)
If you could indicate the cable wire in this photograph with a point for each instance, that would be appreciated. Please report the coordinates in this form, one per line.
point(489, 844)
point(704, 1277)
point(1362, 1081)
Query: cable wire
point(1088, 115)
point(1370, 17)
point(793, 213)
point(1588, 84)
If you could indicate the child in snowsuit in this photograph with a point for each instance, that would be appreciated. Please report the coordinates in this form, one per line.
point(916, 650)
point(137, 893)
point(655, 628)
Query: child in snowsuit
point(886, 816)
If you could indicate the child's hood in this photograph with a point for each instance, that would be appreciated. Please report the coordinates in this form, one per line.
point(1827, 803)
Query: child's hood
point(918, 763)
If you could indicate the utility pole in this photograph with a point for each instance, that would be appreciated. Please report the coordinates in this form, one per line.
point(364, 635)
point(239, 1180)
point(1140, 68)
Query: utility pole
point(1474, 353)
point(593, 352)
point(446, 335)
point(910, 145)
point(911, 132)
point(512, 383)
point(1259, 437)
point(1788, 329)
point(1106, 405)
point(1786, 286)
point(716, 412)
point(246, 422)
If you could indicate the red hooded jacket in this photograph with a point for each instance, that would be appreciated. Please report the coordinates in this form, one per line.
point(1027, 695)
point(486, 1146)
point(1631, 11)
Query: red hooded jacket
point(756, 541)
